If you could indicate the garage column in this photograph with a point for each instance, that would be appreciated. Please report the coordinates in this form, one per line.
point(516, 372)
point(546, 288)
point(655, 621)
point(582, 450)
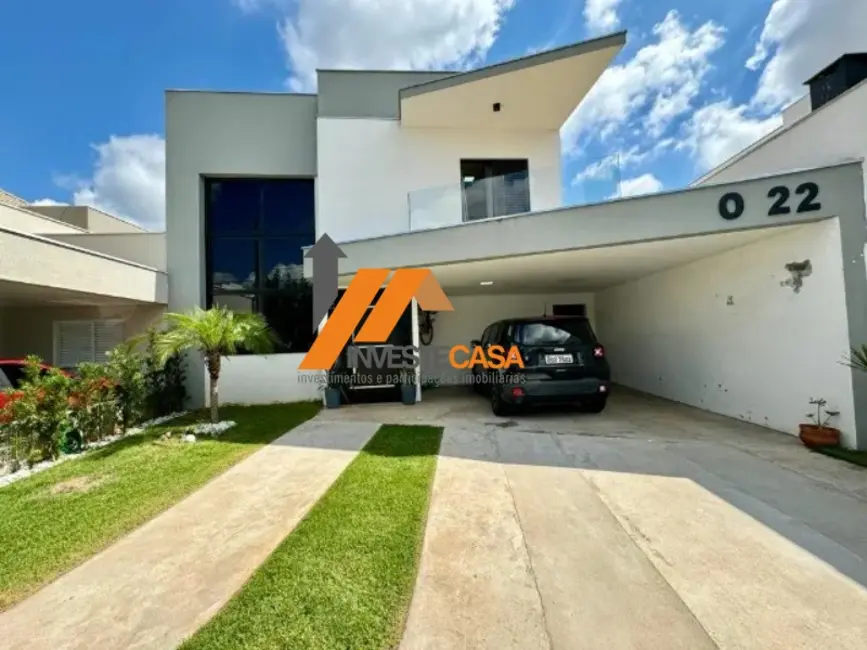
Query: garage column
point(416, 344)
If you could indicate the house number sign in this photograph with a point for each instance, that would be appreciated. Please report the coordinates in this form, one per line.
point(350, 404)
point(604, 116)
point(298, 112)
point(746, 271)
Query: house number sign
point(732, 205)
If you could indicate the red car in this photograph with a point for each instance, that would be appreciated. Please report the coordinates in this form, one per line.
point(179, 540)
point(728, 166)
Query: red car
point(12, 374)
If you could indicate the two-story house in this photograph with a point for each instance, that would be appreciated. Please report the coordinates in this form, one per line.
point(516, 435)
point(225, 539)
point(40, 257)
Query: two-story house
point(740, 298)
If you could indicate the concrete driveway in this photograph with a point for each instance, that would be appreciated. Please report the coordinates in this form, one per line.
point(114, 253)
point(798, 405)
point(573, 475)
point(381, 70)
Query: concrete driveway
point(651, 526)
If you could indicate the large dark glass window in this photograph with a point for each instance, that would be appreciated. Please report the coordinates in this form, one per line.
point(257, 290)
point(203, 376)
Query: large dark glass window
point(255, 230)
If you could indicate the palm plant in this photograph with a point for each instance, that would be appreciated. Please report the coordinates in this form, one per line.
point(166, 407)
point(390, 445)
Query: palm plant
point(857, 358)
point(215, 332)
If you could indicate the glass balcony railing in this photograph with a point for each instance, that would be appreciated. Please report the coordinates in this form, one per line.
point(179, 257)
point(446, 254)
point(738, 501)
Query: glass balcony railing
point(473, 199)
point(539, 189)
point(595, 183)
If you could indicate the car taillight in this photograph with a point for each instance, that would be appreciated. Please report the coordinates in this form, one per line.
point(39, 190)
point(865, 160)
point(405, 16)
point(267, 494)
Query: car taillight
point(598, 352)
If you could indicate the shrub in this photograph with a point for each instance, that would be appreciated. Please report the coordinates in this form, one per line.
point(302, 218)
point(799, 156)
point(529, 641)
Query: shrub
point(94, 403)
point(36, 420)
point(126, 369)
point(52, 412)
point(164, 383)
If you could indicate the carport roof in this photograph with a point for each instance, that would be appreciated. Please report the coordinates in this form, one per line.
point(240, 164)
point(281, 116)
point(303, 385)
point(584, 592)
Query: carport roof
point(40, 270)
point(673, 215)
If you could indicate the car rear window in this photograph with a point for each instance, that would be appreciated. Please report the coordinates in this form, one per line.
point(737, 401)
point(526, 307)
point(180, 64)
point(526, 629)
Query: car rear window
point(14, 373)
point(563, 331)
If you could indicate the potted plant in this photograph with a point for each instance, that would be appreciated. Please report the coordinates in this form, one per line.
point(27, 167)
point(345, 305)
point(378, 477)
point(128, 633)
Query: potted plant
point(407, 388)
point(331, 390)
point(818, 433)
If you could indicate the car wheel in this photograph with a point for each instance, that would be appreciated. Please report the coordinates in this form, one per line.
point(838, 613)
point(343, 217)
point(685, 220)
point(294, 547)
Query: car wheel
point(498, 406)
point(595, 404)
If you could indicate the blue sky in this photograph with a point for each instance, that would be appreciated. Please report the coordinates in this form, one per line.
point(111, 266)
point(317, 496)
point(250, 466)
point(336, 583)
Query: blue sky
point(81, 116)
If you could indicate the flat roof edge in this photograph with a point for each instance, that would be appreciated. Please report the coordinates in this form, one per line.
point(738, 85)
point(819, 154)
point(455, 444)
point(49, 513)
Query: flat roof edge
point(386, 71)
point(47, 239)
point(616, 39)
point(204, 91)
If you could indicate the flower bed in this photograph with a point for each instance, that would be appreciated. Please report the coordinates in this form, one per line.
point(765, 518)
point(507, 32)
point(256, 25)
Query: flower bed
point(53, 413)
point(7, 477)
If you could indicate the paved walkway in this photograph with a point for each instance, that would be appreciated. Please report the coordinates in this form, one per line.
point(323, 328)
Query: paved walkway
point(539, 540)
point(159, 584)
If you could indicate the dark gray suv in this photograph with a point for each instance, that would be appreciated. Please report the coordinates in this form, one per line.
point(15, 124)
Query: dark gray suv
point(563, 363)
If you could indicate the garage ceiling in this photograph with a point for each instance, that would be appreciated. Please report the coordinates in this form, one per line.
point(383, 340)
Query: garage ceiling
point(590, 269)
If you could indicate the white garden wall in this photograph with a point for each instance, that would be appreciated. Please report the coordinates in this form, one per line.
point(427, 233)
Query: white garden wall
point(367, 167)
point(722, 334)
point(265, 379)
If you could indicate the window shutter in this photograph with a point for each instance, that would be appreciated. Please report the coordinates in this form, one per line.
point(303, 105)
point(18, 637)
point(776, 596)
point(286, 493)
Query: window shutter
point(86, 341)
point(74, 343)
point(106, 336)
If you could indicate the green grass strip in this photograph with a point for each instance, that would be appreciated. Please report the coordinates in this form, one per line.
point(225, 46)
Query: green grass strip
point(343, 579)
point(849, 455)
point(54, 520)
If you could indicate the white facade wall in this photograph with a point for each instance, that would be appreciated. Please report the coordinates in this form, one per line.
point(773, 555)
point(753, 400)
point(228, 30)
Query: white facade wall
point(87, 218)
point(23, 220)
point(101, 222)
point(473, 314)
point(148, 248)
point(370, 170)
point(265, 379)
point(30, 330)
point(760, 358)
point(796, 110)
point(224, 134)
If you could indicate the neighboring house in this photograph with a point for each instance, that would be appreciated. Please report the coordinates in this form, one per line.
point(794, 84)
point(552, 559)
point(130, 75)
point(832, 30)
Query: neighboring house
point(700, 296)
point(825, 127)
point(75, 281)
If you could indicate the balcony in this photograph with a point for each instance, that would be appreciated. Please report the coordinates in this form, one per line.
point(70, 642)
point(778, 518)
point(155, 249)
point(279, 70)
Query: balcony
point(477, 197)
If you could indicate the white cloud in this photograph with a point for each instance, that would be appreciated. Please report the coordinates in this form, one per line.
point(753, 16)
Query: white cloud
point(798, 39)
point(662, 80)
point(128, 180)
point(386, 34)
point(47, 202)
point(601, 15)
point(718, 131)
point(247, 5)
point(251, 6)
point(644, 184)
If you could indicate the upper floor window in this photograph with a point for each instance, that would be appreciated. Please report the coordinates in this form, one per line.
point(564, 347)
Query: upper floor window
point(494, 188)
point(255, 231)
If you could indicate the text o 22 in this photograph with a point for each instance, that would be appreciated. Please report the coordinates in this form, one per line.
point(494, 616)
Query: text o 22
point(732, 204)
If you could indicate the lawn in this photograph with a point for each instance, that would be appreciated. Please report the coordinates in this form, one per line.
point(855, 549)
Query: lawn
point(343, 579)
point(854, 457)
point(54, 520)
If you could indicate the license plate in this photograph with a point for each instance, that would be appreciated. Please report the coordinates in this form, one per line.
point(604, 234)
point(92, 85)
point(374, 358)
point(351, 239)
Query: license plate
point(556, 359)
